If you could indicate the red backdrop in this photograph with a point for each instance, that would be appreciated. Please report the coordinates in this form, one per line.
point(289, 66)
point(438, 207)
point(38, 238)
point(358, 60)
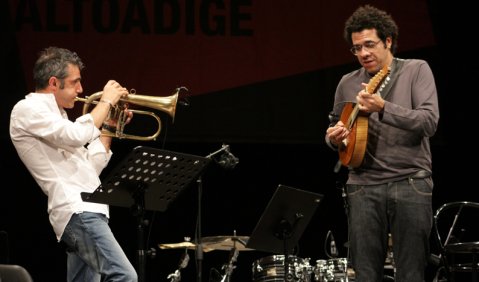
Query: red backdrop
point(155, 46)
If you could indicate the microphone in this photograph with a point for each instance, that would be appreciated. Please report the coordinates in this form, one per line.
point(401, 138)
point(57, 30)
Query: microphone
point(332, 245)
point(183, 99)
point(228, 160)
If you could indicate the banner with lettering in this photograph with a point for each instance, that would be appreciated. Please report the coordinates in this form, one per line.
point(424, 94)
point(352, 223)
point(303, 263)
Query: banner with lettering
point(155, 46)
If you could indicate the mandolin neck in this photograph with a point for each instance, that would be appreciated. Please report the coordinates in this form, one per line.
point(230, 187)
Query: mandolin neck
point(353, 116)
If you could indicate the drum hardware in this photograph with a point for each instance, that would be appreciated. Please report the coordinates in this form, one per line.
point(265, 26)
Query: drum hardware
point(185, 258)
point(333, 251)
point(229, 267)
point(337, 270)
point(321, 269)
point(176, 276)
point(232, 243)
point(333, 270)
point(276, 268)
point(389, 262)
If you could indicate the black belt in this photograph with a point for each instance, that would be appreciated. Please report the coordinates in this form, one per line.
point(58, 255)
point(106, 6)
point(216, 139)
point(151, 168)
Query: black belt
point(420, 174)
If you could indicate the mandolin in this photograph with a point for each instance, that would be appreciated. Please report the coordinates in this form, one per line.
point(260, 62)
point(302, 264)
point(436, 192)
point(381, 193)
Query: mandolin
point(352, 149)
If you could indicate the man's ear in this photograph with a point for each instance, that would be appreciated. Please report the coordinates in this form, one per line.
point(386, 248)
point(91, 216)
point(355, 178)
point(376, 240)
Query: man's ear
point(53, 81)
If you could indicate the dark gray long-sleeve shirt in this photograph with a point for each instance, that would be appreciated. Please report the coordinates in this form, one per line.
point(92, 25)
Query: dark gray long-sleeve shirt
point(398, 137)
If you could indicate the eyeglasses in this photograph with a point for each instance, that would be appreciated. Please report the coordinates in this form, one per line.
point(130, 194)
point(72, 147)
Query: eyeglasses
point(368, 46)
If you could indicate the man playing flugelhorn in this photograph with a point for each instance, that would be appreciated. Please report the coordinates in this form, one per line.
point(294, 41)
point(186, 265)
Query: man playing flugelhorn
point(66, 158)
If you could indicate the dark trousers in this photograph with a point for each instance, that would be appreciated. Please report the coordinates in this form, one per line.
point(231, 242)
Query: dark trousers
point(402, 208)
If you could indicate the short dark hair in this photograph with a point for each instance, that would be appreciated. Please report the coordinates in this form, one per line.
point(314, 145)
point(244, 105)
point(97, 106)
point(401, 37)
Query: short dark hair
point(369, 17)
point(53, 61)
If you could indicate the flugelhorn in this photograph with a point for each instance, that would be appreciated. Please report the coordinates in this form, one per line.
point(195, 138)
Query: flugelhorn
point(115, 122)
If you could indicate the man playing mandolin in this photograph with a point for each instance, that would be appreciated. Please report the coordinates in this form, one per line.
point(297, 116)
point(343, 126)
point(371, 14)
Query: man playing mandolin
point(383, 116)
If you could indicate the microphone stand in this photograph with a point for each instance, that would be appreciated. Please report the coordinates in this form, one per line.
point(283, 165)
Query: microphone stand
point(341, 185)
point(226, 160)
point(222, 149)
point(199, 246)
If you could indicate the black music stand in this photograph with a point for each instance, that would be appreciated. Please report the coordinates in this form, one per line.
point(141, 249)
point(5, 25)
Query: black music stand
point(283, 222)
point(147, 179)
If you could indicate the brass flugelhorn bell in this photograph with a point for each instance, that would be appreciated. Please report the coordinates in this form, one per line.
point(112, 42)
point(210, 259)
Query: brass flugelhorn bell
point(116, 120)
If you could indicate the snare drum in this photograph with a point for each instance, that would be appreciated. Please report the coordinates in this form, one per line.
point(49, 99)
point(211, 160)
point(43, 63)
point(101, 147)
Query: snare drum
point(271, 269)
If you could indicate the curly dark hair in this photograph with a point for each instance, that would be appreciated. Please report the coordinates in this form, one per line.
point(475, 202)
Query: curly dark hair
point(369, 17)
point(53, 61)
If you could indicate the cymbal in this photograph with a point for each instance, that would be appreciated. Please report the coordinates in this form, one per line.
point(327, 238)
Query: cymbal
point(177, 245)
point(183, 245)
point(212, 243)
point(226, 243)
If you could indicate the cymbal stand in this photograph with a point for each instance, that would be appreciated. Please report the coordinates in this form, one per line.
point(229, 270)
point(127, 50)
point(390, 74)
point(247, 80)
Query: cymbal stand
point(229, 267)
point(176, 276)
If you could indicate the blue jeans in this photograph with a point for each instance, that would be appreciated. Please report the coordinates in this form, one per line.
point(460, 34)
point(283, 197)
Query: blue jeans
point(93, 254)
point(403, 208)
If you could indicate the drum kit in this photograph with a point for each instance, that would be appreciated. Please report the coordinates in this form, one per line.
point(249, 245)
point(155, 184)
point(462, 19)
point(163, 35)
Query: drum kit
point(300, 270)
point(270, 268)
